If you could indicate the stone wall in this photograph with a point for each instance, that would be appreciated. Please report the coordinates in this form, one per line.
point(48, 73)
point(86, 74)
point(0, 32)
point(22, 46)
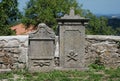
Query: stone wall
point(13, 52)
point(105, 49)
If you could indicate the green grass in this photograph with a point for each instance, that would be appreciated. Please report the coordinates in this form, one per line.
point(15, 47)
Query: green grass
point(95, 73)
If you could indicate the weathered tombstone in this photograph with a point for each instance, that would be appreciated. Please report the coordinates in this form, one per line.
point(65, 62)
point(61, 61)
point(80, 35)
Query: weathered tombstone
point(41, 49)
point(72, 41)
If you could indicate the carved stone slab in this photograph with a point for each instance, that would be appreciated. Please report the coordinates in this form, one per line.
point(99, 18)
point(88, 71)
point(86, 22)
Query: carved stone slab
point(72, 41)
point(41, 49)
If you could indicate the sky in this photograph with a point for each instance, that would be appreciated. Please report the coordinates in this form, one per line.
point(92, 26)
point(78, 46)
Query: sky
point(101, 6)
point(95, 6)
point(22, 4)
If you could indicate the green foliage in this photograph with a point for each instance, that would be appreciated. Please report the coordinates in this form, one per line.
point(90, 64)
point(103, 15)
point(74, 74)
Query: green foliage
point(115, 24)
point(114, 73)
point(95, 77)
point(97, 65)
point(98, 25)
point(46, 11)
point(6, 75)
point(73, 75)
point(117, 30)
point(9, 14)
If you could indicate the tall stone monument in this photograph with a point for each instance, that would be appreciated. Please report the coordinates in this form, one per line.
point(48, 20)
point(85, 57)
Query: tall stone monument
point(72, 40)
point(41, 49)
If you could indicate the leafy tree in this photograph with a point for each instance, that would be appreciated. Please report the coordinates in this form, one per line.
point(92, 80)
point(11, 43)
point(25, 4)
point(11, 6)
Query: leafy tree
point(9, 14)
point(115, 24)
point(98, 25)
point(117, 30)
point(46, 11)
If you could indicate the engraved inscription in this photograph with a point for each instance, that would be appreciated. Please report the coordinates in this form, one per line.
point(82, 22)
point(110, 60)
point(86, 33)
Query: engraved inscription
point(72, 56)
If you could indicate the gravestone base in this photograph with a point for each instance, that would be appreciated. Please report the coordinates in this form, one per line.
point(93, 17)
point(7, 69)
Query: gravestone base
point(67, 69)
point(41, 65)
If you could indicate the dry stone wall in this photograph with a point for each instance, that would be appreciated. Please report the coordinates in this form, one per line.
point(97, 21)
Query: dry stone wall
point(13, 52)
point(105, 49)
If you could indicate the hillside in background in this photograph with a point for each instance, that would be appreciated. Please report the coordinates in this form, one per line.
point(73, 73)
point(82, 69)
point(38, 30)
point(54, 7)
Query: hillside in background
point(113, 21)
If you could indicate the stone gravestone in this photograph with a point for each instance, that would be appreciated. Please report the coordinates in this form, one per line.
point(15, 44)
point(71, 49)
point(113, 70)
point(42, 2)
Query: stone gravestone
point(41, 49)
point(72, 41)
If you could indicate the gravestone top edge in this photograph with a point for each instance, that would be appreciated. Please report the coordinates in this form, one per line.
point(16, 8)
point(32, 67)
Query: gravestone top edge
point(42, 32)
point(72, 17)
point(73, 20)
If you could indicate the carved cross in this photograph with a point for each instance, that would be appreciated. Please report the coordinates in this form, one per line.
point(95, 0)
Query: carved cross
point(72, 56)
point(72, 12)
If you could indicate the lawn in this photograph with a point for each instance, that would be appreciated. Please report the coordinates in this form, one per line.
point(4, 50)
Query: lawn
point(95, 73)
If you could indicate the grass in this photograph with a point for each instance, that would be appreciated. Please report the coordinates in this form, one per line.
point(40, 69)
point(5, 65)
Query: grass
point(95, 73)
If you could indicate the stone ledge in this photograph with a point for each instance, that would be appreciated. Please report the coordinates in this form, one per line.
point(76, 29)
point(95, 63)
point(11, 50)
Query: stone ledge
point(19, 37)
point(103, 37)
point(4, 70)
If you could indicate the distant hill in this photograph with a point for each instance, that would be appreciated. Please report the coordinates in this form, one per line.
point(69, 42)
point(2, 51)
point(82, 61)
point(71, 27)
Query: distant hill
point(113, 20)
point(109, 16)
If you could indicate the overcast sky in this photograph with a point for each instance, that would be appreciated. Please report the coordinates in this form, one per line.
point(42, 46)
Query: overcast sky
point(95, 6)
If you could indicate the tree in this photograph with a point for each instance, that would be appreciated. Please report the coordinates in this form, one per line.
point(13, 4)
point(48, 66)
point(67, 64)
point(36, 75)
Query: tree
point(98, 25)
point(8, 15)
point(115, 24)
point(46, 11)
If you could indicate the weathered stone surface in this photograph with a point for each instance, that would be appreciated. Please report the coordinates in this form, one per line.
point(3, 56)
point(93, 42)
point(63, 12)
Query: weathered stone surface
point(57, 47)
point(11, 54)
point(13, 43)
point(106, 48)
point(25, 44)
point(72, 41)
point(22, 57)
point(41, 49)
point(15, 50)
point(2, 43)
point(103, 48)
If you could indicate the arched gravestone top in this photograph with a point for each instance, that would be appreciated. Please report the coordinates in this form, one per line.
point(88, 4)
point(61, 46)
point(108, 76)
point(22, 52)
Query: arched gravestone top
point(42, 32)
